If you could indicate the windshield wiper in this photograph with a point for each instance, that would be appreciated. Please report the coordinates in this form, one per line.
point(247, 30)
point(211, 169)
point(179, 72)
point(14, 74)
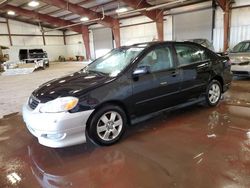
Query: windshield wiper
point(98, 72)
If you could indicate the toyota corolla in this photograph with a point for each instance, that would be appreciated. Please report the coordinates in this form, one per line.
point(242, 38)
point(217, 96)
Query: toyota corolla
point(125, 86)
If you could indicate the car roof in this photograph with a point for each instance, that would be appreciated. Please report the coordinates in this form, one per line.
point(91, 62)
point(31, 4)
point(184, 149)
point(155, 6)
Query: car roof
point(154, 43)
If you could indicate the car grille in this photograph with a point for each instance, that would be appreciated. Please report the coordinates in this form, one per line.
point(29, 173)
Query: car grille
point(33, 102)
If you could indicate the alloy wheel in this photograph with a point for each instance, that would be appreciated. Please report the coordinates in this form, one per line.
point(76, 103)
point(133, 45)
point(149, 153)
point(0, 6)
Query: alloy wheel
point(214, 93)
point(109, 126)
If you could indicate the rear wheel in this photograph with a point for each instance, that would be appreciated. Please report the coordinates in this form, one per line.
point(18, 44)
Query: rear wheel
point(107, 125)
point(213, 93)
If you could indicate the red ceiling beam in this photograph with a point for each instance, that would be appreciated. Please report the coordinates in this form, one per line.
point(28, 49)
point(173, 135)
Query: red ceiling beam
point(24, 20)
point(155, 15)
point(55, 21)
point(42, 17)
point(4, 3)
point(76, 9)
point(139, 4)
point(222, 4)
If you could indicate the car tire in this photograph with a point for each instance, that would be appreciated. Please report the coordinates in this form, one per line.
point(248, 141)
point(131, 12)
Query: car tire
point(107, 125)
point(213, 93)
point(47, 64)
point(43, 66)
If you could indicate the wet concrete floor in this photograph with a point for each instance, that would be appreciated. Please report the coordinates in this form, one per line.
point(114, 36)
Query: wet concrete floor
point(193, 147)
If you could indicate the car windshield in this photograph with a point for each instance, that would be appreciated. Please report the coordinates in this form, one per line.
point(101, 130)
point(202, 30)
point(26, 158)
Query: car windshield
point(242, 47)
point(115, 61)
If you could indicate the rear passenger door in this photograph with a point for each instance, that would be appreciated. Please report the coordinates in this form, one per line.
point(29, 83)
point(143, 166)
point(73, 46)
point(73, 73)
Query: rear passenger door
point(194, 65)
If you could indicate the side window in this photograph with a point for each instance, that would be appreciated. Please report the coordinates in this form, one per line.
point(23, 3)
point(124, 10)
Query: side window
point(246, 48)
point(188, 54)
point(158, 59)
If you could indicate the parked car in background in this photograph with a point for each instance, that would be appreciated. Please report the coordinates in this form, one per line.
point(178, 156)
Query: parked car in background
point(3, 57)
point(240, 58)
point(204, 42)
point(125, 86)
point(37, 56)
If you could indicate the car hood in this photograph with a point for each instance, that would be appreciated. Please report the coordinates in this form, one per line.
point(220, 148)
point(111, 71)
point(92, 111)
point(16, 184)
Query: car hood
point(71, 85)
point(237, 58)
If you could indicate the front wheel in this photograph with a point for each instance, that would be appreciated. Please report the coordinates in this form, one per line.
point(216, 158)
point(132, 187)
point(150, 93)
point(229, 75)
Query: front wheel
point(213, 93)
point(107, 125)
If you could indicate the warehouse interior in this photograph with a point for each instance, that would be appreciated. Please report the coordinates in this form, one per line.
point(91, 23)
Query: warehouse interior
point(195, 146)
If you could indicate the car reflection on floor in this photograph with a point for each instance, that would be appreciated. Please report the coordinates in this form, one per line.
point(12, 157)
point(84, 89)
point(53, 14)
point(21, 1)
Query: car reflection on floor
point(198, 148)
point(107, 165)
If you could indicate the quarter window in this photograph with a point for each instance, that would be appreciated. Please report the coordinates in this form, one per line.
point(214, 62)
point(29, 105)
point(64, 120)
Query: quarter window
point(189, 54)
point(158, 59)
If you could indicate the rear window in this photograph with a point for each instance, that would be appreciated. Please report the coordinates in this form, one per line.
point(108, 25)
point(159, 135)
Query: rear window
point(22, 51)
point(35, 51)
point(188, 54)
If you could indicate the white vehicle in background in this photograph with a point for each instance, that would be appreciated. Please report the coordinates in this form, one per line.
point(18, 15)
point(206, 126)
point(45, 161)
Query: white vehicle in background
point(240, 58)
point(36, 56)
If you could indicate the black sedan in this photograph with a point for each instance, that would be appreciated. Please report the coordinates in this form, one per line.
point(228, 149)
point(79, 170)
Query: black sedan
point(125, 86)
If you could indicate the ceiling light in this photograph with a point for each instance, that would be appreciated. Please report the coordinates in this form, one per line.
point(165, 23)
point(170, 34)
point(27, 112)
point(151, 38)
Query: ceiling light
point(84, 19)
point(122, 9)
point(10, 12)
point(33, 3)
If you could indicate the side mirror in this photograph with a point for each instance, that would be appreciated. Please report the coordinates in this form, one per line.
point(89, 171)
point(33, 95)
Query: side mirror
point(141, 70)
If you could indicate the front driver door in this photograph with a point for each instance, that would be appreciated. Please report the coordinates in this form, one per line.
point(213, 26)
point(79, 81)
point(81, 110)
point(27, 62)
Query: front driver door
point(159, 88)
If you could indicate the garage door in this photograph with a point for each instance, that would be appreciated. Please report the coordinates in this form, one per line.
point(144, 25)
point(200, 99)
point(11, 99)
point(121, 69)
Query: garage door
point(103, 41)
point(197, 24)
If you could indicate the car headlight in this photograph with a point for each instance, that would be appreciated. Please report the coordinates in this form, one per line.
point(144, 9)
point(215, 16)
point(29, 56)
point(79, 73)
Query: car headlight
point(61, 104)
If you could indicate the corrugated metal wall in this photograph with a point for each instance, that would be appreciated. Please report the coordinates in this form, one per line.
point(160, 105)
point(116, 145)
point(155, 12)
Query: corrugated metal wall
point(239, 33)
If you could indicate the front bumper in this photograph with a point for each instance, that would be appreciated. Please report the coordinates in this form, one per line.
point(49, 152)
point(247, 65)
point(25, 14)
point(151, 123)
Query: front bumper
point(241, 70)
point(56, 129)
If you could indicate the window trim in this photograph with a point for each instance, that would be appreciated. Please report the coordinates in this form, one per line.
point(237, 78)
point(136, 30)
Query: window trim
point(198, 62)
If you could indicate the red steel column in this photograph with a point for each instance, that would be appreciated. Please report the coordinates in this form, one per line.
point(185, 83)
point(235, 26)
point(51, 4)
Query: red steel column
point(159, 26)
point(226, 25)
point(85, 37)
point(116, 33)
point(9, 33)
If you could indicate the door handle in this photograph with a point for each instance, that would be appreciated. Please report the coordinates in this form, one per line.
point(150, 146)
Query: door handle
point(163, 83)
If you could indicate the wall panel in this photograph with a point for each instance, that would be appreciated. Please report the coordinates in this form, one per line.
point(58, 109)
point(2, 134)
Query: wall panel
point(191, 25)
point(3, 28)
